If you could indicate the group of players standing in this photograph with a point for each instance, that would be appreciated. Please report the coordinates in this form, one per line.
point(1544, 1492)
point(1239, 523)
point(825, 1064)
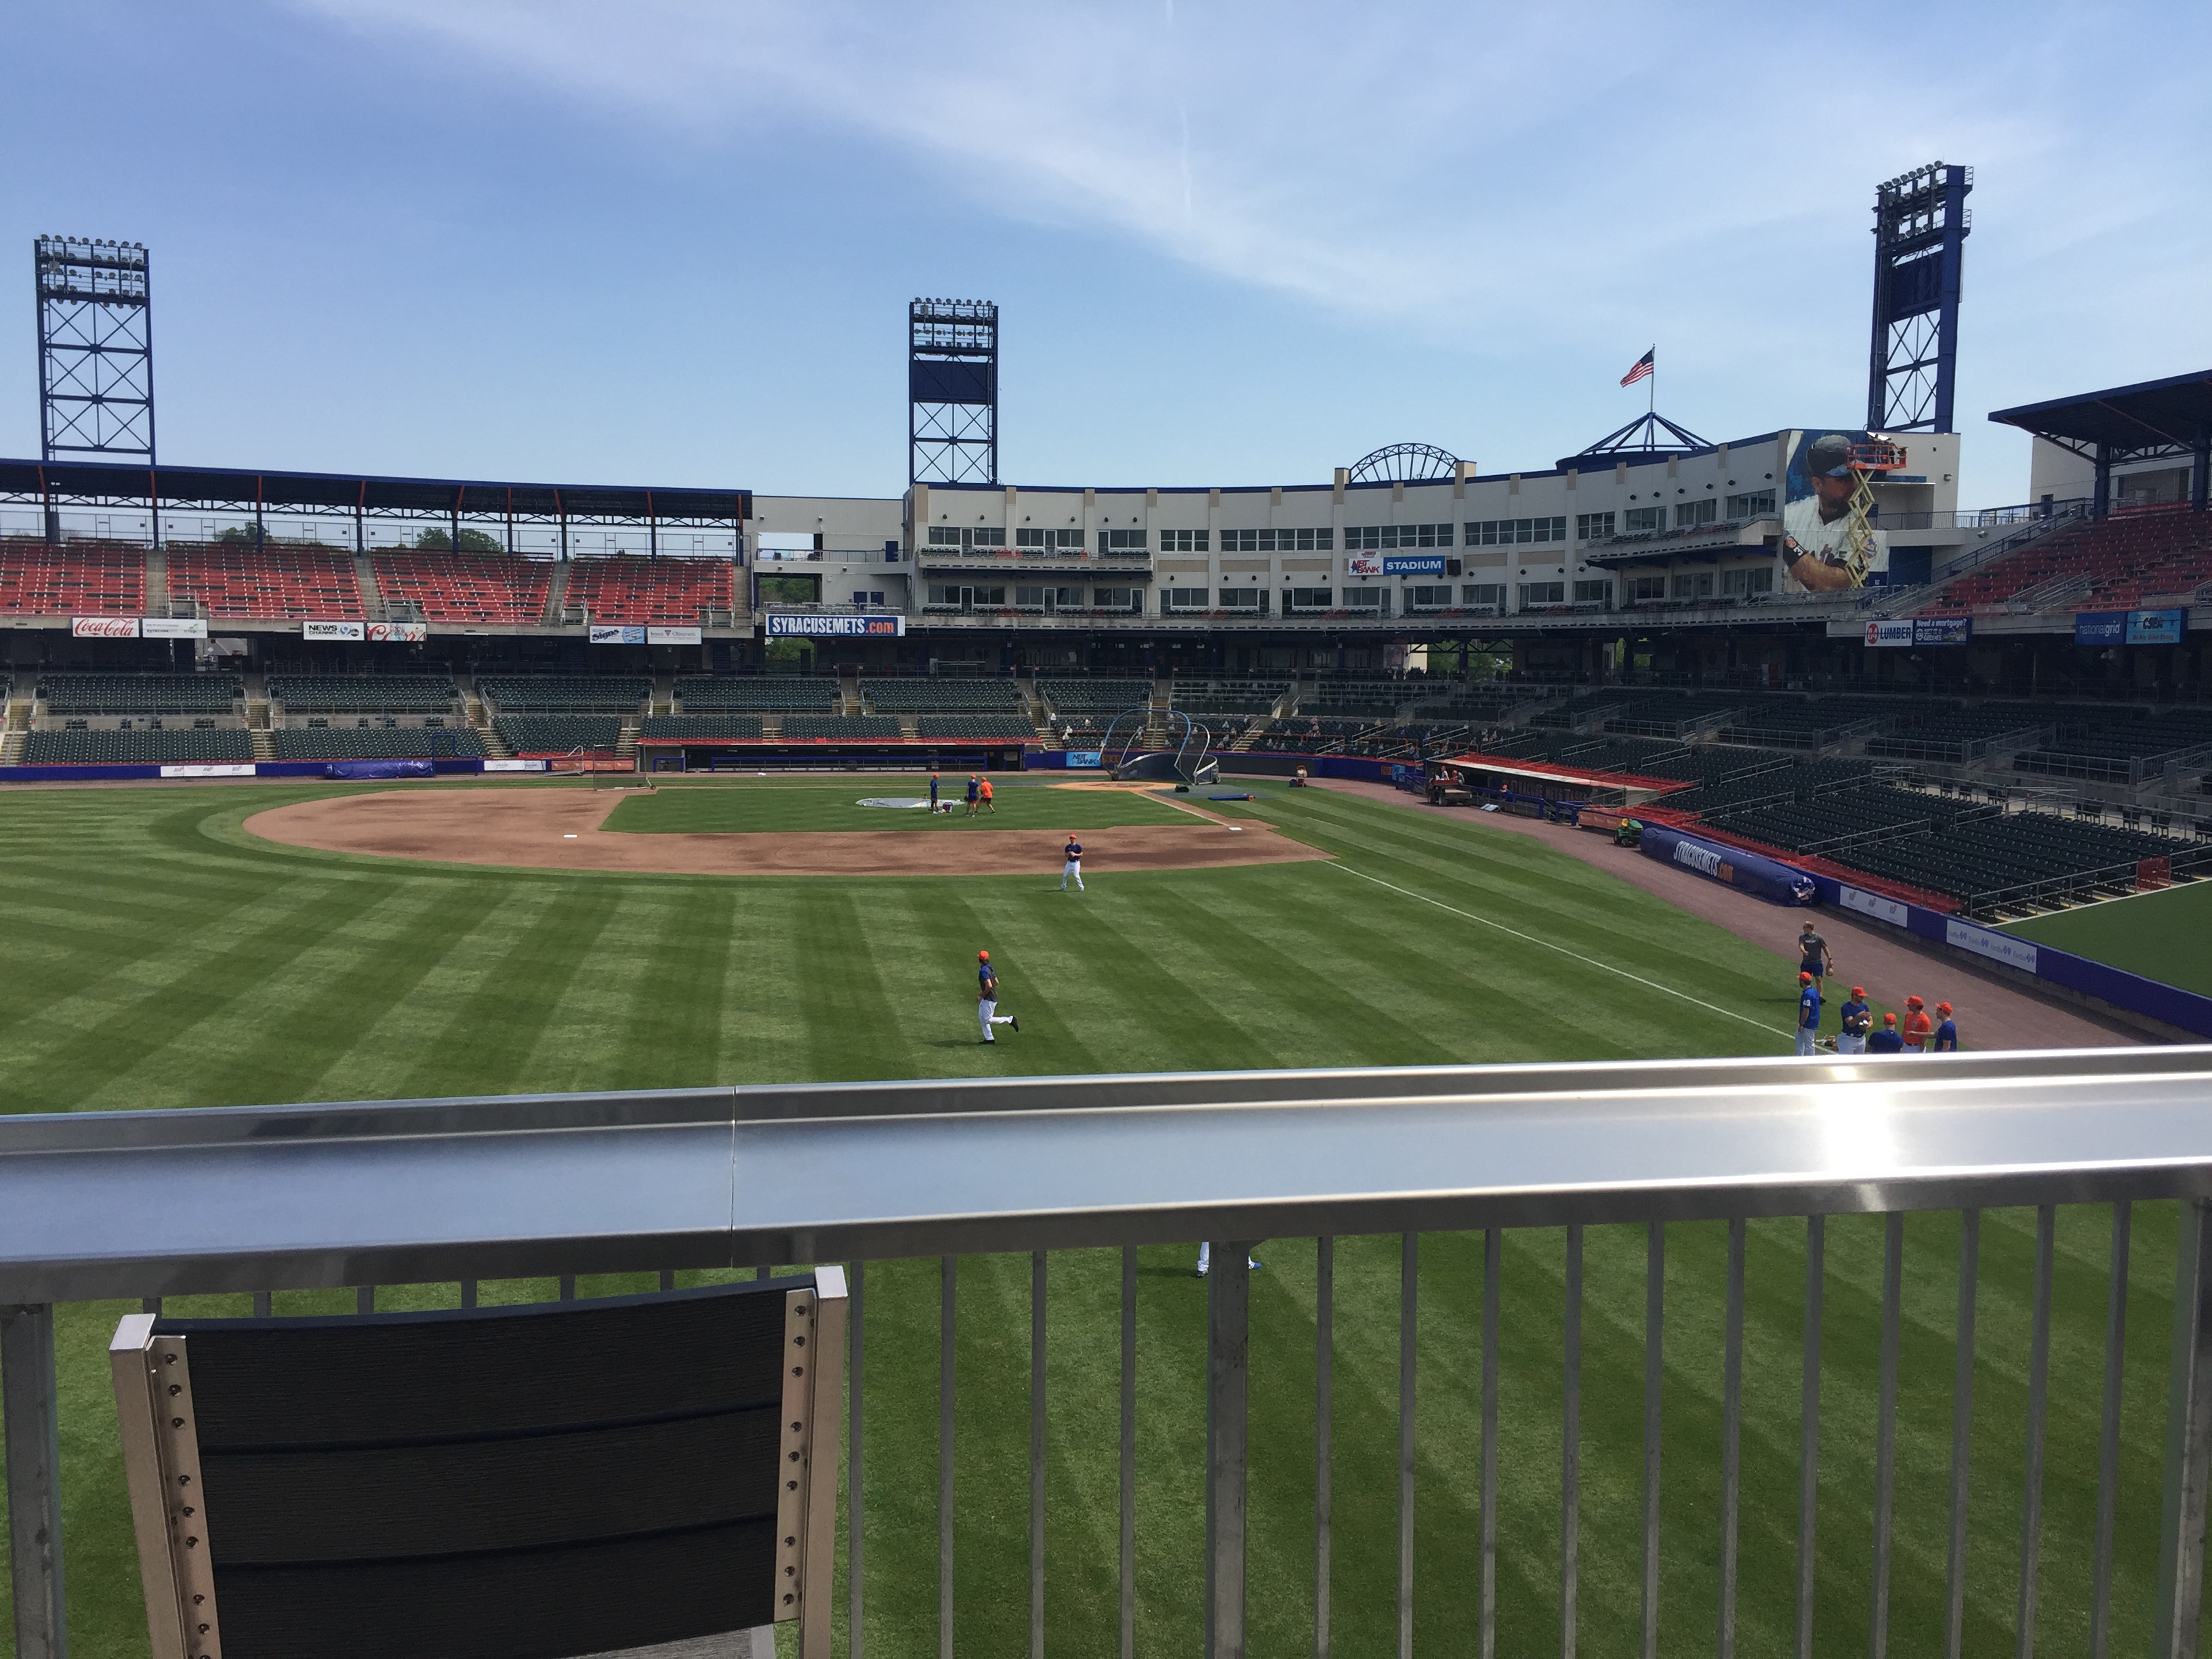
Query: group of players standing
point(1857, 1033)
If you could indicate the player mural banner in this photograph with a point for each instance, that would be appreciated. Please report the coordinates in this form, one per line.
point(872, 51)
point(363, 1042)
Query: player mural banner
point(1829, 543)
point(333, 630)
point(803, 625)
point(104, 628)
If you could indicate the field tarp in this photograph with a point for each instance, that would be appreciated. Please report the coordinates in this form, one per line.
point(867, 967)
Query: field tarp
point(1763, 878)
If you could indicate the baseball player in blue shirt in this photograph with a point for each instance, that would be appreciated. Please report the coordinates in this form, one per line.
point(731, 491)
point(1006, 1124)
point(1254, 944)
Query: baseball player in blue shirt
point(1808, 1012)
point(987, 1001)
point(1073, 853)
point(1946, 1034)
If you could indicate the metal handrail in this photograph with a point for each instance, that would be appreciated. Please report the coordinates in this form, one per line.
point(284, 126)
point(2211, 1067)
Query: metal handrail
point(144, 1204)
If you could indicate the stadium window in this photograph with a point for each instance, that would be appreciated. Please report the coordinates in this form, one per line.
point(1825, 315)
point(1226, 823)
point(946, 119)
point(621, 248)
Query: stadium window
point(1294, 541)
point(1694, 584)
point(941, 535)
point(1125, 544)
point(1689, 515)
point(1535, 593)
point(1594, 592)
point(1029, 539)
point(1507, 532)
point(1183, 541)
point(1363, 598)
point(1647, 587)
point(1491, 594)
point(1592, 526)
point(1384, 538)
point(1752, 504)
point(1645, 519)
point(1240, 541)
point(1118, 599)
point(864, 598)
point(1746, 583)
point(1244, 599)
point(1182, 598)
point(1430, 599)
point(1308, 598)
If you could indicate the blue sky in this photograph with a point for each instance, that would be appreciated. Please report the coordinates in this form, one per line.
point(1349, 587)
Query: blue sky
point(670, 242)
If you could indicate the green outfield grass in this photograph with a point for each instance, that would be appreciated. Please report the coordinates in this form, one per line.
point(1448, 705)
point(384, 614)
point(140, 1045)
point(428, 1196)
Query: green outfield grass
point(160, 956)
point(785, 802)
point(2165, 936)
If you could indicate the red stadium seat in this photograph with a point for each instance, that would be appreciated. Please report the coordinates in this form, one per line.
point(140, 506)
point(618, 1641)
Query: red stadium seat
point(78, 578)
point(461, 588)
point(232, 578)
point(2125, 561)
point(627, 589)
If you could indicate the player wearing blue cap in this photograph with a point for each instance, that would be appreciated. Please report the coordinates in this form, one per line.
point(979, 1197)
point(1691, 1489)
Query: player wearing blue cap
point(987, 1000)
point(1073, 853)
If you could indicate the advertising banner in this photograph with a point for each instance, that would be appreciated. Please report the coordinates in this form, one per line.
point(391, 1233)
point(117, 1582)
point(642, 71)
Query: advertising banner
point(2100, 627)
point(799, 625)
point(171, 628)
point(333, 630)
point(1872, 904)
point(1943, 630)
point(1983, 942)
point(1889, 633)
point(609, 633)
point(238, 769)
point(1086, 757)
point(1829, 543)
point(104, 628)
point(671, 636)
point(514, 766)
point(399, 633)
point(1363, 564)
point(1413, 564)
point(2157, 627)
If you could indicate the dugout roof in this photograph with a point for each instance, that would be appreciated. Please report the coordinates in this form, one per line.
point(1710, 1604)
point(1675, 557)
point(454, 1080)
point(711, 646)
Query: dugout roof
point(2144, 422)
point(236, 489)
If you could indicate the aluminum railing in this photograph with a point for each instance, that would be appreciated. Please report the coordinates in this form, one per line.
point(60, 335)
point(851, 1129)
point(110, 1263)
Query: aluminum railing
point(148, 1204)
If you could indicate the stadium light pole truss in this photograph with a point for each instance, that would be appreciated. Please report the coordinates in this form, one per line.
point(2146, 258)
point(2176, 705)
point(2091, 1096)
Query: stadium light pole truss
point(1920, 224)
point(952, 391)
point(95, 349)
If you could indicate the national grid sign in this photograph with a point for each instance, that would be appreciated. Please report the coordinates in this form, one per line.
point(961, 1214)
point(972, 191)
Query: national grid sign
point(808, 625)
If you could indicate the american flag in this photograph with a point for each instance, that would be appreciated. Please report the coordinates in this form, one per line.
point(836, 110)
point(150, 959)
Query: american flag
point(1643, 367)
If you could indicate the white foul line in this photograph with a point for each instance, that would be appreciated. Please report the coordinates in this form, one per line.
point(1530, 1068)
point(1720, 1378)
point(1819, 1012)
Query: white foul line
point(1468, 915)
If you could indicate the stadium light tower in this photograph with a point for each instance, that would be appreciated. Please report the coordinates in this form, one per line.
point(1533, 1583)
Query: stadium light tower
point(1920, 225)
point(952, 391)
point(95, 349)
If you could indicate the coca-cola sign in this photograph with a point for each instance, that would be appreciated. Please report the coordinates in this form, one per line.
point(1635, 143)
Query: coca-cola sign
point(104, 628)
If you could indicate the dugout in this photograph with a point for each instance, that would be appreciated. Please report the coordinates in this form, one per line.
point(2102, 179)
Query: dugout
point(804, 755)
point(1539, 792)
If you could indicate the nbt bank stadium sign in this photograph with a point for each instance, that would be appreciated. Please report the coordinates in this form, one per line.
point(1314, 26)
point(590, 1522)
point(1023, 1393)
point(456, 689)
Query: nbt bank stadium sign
point(806, 625)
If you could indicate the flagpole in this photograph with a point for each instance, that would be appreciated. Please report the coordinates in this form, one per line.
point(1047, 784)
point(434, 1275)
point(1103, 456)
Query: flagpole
point(1651, 391)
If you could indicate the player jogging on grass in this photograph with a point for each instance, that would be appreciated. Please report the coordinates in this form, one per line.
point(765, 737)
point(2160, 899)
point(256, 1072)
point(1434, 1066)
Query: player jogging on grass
point(1073, 853)
point(986, 1003)
point(990, 806)
point(1808, 1012)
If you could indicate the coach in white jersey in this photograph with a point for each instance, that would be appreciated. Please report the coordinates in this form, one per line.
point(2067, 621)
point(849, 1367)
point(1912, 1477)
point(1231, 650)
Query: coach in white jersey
point(1816, 531)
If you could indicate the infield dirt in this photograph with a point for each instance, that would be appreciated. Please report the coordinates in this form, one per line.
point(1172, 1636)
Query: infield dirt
point(561, 829)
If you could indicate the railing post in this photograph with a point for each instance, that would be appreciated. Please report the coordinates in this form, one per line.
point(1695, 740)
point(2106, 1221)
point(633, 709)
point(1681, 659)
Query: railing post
point(2188, 1442)
point(34, 1495)
point(1227, 1363)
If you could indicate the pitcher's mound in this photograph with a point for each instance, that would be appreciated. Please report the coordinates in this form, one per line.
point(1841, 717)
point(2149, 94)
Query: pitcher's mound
point(559, 829)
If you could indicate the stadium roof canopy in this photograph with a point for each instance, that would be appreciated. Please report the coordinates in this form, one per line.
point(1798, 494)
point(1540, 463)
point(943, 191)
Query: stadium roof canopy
point(2147, 422)
point(236, 489)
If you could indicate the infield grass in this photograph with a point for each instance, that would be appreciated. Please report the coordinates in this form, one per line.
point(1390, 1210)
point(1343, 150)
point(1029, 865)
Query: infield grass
point(786, 804)
point(160, 956)
point(2165, 935)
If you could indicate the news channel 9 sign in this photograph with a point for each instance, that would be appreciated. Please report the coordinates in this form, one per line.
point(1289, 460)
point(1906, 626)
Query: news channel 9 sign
point(1828, 543)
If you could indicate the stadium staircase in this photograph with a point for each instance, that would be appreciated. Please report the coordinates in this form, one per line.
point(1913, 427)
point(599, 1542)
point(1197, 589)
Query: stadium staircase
point(265, 742)
point(556, 596)
point(909, 726)
point(157, 582)
point(771, 726)
point(850, 701)
point(257, 702)
point(372, 593)
point(626, 744)
point(663, 694)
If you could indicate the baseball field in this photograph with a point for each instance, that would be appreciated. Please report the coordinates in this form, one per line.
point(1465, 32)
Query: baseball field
point(161, 953)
